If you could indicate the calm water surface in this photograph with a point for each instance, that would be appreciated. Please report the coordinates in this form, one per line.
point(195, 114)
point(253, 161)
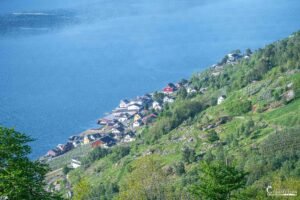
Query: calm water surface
point(63, 63)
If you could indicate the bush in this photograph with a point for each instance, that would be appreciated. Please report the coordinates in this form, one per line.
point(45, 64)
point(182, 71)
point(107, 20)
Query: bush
point(212, 136)
point(96, 154)
point(238, 107)
point(119, 152)
point(179, 168)
point(188, 155)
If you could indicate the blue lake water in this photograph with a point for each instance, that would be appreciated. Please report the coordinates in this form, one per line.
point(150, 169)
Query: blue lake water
point(63, 63)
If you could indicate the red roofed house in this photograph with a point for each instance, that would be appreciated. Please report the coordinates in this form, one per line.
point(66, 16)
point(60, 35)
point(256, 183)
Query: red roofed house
point(170, 88)
point(97, 143)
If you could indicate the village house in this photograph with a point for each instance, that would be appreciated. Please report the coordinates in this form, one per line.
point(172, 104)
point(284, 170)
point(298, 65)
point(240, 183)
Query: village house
point(74, 138)
point(112, 123)
point(221, 99)
point(137, 124)
point(107, 119)
point(190, 90)
point(169, 89)
point(76, 143)
point(108, 141)
point(60, 147)
point(136, 101)
point(137, 117)
point(124, 117)
point(135, 107)
point(203, 90)
point(128, 138)
point(75, 163)
point(53, 152)
point(178, 85)
point(156, 106)
point(168, 100)
point(117, 130)
point(87, 139)
point(65, 147)
point(120, 111)
point(95, 136)
point(97, 143)
point(149, 118)
point(232, 57)
point(216, 73)
point(124, 103)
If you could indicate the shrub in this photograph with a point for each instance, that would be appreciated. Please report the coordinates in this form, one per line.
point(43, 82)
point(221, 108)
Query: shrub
point(212, 136)
point(238, 107)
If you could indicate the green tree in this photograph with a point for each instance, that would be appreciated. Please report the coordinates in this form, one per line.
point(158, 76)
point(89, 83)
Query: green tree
point(158, 96)
point(218, 181)
point(182, 93)
point(212, 136)
point(82, 189)
point(248, 52)
point(179, 168)
point(20, 178)
point(146, 181)
point(188, 154)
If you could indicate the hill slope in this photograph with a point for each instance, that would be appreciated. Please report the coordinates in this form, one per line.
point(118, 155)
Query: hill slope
point(254, 127)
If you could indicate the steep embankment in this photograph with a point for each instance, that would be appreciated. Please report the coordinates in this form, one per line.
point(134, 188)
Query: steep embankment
point(255, 127)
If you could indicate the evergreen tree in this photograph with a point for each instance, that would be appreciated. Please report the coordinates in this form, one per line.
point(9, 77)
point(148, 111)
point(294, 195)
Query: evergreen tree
point(218, 181)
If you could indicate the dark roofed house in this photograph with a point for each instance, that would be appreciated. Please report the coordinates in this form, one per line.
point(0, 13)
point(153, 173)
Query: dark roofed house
point(137, 124)
point(108, 141)
point(107, 119)
point(74, 138)
point(124, 103)
point(68, 146)
point(117, 130)
point(65, 147)
point(149, 118)
point(53, 152)
point(76, 143)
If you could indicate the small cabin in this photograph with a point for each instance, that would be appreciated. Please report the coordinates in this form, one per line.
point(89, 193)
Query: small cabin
point(221, 99)
point(75, 163)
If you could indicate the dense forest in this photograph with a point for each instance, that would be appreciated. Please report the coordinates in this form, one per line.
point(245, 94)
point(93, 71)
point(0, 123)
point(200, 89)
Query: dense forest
point(199, 148)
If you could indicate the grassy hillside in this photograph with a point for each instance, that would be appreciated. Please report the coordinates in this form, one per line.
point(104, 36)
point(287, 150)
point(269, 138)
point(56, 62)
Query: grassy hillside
point(255, 130)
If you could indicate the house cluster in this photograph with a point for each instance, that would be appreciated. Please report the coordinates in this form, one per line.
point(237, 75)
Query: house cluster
point(231, 58)
point(122, 123)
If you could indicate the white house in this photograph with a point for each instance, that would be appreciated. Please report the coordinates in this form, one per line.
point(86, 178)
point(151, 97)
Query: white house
point(190, 90)
point(124, 103)
point(134, 107)
point(168, 100)
point(75, 163)
point(123, 117)
point(156, 106)
point(137, 124)
point(117, 130)
point(128, 138)
point(221, 99)
point(76, 143)
point(137, 101)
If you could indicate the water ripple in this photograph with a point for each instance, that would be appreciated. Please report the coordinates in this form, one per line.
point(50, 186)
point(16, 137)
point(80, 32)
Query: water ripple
point(23, 23)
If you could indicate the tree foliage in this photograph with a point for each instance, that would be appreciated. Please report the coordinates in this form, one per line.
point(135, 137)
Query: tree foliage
point(146, 181)
point(20, 178)
point(218, 181)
